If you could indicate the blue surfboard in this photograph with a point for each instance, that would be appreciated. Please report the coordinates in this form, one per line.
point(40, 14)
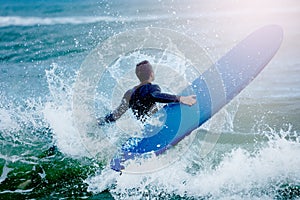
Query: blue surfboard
point(217, 86)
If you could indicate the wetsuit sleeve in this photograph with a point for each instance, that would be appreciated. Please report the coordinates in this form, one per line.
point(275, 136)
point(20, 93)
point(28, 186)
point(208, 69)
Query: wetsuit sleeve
point(160, 97)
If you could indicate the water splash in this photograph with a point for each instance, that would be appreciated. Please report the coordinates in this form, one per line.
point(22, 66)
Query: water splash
point(22, 123)
point(58, 113)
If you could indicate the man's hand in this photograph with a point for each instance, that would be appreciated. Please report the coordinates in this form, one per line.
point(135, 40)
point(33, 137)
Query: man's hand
point(101, 121)
point(188, 100)
point(105, 120)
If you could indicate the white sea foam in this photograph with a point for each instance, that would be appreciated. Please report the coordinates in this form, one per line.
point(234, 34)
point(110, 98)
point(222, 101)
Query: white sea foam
point(240, 174)
point(33, 21)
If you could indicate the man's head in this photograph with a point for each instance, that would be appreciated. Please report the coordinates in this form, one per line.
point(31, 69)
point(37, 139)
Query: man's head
point(144, 71)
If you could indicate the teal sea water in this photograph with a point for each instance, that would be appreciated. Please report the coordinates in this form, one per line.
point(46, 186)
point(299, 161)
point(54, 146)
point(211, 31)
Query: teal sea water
point(42, 47)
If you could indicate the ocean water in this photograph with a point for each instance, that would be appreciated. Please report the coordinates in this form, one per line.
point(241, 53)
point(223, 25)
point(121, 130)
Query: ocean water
point(249, 150)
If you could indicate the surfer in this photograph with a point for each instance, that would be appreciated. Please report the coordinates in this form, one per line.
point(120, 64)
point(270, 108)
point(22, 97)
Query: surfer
point(143, 97)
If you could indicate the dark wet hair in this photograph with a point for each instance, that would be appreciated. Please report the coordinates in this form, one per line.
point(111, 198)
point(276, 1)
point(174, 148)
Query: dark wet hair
point(143, 70)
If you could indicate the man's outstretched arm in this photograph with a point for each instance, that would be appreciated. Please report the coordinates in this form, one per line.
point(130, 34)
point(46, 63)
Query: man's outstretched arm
point(117, 113)
point(168, 98)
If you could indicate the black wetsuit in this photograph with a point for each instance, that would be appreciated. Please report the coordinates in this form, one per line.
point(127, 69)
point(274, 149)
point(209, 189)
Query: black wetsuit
point(141, 100)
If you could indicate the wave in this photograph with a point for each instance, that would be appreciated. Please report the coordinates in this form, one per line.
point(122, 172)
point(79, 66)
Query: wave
point(33, 21)
point(240, 167)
